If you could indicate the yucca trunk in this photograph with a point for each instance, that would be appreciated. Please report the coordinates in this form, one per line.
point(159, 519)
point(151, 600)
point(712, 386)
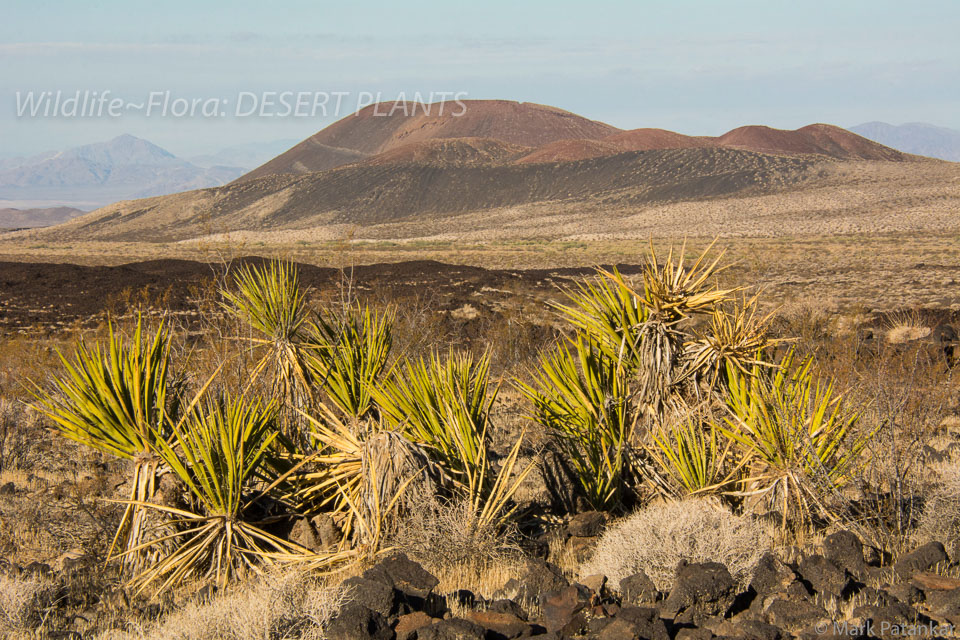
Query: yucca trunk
point(134, 522)
point(390, 461)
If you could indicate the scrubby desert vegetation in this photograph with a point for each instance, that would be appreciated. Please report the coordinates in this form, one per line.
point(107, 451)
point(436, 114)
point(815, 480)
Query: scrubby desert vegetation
point(667, 453)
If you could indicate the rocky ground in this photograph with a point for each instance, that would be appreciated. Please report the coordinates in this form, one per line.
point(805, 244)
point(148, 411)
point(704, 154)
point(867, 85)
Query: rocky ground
point(842, 591)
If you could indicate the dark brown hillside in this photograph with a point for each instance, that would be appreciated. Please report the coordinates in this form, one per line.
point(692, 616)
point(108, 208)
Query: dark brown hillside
point(568, 150)
point(366, 193)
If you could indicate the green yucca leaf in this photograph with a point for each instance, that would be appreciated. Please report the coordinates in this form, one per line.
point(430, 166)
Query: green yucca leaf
point(270, 299)
point(608, 311)
point(582, 394)
point(218, 450)
point(352, 358)
point(112, 397)
point(443, 404)
point(694, 456)
point(492, 508)
point(797, 431)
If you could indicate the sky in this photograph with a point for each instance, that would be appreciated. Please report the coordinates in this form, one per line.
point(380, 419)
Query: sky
point(697, 67)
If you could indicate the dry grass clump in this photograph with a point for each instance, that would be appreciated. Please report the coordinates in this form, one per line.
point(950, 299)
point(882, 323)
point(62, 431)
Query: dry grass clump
point(20, 602)
point(480, 558)
point(278, 605)
point(659, 536)
point(906, 327)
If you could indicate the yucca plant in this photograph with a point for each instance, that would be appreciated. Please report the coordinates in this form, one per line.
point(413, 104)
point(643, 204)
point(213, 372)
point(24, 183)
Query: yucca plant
point(218, 451)
point(582, 394)
point(352, 357)
point(694, 455)
point(114, 398)
point(445, 405)
point(798, 434)
point(270, 299)
point(354, 473)
point(492, 507)
point(672, 292)
point(609, 312)
point(318, 480)
point(374, 518)
point(736, 336)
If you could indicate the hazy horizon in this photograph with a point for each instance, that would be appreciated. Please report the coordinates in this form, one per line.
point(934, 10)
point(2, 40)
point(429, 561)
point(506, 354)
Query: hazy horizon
point(692, 67)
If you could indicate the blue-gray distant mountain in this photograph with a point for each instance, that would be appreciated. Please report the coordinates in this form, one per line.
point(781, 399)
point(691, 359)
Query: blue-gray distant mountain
point(96, 174)
point(247, 156)
point(914, 137)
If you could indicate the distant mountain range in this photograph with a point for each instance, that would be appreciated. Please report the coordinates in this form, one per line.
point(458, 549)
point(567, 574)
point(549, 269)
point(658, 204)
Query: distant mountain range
point(246, 156)
point(92, 175)
point(914, 137)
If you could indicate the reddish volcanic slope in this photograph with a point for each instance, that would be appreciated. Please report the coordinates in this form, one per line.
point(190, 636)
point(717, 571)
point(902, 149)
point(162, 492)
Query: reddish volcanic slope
point(814, 139)
point(447, 152)
point(822, 139)
point(522, 123)
point(505, 132)
point(383, 127)
point(647, 139)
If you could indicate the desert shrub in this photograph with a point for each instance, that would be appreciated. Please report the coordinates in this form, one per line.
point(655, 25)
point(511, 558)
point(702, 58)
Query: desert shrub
point(20, 600)
point(462, 557)
point(906, 395)
point(435, 534)
point(659, 536)
point(940, 519)
point(18, 436)
point(278, 605)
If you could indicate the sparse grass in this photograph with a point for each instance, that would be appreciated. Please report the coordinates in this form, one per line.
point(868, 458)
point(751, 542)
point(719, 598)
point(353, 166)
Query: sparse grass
point(940, 519)
point(288, 605)
point(906, 327)
point(20, 602)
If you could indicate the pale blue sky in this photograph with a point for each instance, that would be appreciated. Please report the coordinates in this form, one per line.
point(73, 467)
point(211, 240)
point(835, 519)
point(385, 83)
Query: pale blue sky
point(699, 67)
